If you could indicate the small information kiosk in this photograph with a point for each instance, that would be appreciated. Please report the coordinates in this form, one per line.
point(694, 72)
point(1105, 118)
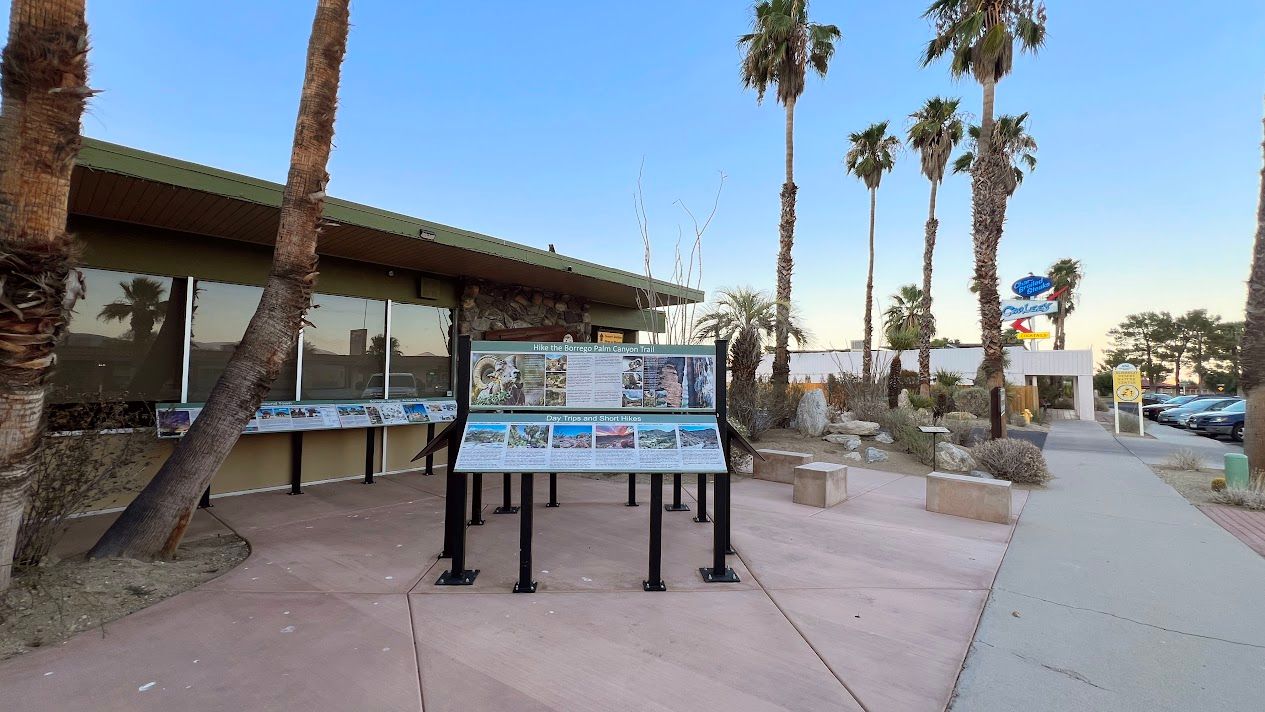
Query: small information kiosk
point(619, 409)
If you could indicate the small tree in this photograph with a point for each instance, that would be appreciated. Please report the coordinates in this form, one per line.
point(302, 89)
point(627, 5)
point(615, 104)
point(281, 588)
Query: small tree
point(899, 340)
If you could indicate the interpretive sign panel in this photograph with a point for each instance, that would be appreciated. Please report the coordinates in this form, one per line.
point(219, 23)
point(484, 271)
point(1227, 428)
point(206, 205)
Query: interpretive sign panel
point(277, 417)
point(594, 442)
point(588, 376)
point(1126, 383)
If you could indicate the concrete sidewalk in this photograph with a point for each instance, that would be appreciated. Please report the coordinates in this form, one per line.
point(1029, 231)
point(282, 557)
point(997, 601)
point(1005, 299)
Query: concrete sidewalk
point(1117, 594)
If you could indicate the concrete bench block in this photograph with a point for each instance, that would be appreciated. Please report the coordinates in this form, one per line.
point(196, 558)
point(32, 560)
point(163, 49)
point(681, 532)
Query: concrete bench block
point(820, 484)
point(779, 465)
point(970, 497)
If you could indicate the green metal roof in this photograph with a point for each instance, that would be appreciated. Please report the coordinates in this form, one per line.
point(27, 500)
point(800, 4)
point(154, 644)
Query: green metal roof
point(112, 158)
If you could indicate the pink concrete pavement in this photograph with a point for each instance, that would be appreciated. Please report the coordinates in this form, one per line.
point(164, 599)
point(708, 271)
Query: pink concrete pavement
point(869, 605)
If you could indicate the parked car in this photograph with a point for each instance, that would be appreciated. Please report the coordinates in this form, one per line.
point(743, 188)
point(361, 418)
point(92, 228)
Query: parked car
point(1151, 411)
point(1188, 422)
point(1227, 421)
point(1153, 398)
point(1178, 416)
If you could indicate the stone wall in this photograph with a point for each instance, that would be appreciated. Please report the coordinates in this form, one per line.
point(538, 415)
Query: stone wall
point(488, 306)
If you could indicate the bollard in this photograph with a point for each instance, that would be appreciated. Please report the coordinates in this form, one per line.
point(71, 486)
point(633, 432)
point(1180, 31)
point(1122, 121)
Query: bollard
point(1236, 473)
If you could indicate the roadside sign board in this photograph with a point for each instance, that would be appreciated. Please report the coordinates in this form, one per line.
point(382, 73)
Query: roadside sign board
point(1033, 335)
point(1025, 308)
point(1032, 285)
point(1126, 383)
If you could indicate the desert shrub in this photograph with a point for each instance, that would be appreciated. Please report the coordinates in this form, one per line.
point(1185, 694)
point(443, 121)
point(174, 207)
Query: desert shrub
point(1100, 404)
point(1128, 422)
point(961, 432)
point(757, 406)
point(903, 425)
point(1218, 484)
point(1011, 459)
point(836, 398)
point(921, 401)
point(973, 400)
point(1181, 459)
point(1062, 403)
point(947, 379)
point(73, 470)
point(1238, 497)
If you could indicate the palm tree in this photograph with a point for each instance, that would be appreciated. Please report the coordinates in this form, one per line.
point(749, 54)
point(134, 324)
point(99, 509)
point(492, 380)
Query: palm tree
point(936, 130)
point(153, 524)
point(905, 311)
point(44, 90)
point(142, 307)
point(899, 339)
point(738, 308)
point(870, 156)
point(980, 37)
point(1066, 276)
point(779, 50)
point(1252, 353)
point(1015, 147)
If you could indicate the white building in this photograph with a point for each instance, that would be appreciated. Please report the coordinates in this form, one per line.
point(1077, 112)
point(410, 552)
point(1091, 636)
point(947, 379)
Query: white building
point(1024, 366)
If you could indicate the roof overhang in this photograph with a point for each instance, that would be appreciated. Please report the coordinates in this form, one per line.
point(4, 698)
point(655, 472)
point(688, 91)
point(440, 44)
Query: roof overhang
point(115, 182)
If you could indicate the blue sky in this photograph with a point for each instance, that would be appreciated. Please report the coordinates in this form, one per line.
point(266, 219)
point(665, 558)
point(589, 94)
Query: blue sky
point(529, 122)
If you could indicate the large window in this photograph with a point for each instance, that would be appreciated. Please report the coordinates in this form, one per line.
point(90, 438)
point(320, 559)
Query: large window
point(420, 361)
point(344, 350)
point(220, 315)
point(124, 341)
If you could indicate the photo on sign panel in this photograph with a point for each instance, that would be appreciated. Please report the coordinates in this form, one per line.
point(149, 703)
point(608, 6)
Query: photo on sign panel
point(484, 435)
point(173, 423)
point(529, 435)
point(699, 437)
point(700, 374)
point(656, 437)
point(663, 381)
point(616, 437)
point(572, 436)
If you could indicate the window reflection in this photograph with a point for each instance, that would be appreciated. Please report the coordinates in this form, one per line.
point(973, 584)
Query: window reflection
point(420, 359)
point(344, 349)
point(220, 315)
point(124, 340)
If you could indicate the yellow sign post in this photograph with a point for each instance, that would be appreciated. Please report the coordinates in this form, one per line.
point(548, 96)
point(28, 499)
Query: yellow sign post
point(1126, 387)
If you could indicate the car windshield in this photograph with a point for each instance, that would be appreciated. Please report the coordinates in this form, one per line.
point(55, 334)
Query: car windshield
point(1223, 404)
point(1179, 400)
point(1235, 407)
point(1206, 404)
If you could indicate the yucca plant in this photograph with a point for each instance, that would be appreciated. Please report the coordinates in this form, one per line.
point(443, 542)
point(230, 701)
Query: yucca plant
point(899, 339)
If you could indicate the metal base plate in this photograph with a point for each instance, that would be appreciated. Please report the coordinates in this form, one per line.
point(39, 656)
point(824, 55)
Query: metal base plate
point(674, 508)
point(730, 550)
point(659, 586)
point(465, 578)
point(702, 519)
point(519, 588)
point(475, 523)
point(553, 504)
point(709, 576)
point(505, 510)
point(631, 504)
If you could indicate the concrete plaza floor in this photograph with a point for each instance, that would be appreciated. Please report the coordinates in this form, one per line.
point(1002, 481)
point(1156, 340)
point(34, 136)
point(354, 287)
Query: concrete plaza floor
point(870, 605)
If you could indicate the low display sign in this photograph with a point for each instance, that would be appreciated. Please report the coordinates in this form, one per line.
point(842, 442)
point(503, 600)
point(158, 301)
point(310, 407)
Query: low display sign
point(278, 417)
point(589, 376)
point(614, 442)
point(1025, 308)
point(1026, 335)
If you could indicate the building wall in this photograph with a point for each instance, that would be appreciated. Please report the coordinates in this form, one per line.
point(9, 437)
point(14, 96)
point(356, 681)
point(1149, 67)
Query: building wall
point(486, 306)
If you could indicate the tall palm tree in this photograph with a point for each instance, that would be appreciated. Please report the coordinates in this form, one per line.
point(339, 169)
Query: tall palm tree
point(153, 524)
point(980, 37)
point(1252, 353)
point(1066, 276)
point(936, 129)
point(737, 308)
point(872, 153)
point(142, 307)
point(45, 73)
point(779, 50)
point(905, 311)
point(899, 340)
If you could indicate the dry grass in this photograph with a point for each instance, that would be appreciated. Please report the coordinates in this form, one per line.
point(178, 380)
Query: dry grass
point(1185, 459)
point(1246, 498)
point(1016, 460)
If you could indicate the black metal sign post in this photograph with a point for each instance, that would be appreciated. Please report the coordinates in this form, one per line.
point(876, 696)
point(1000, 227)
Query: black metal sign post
point(677, 505)
point(369, 445)
point(476, 500)
point(553, 490)
point(654, 579)
point(430, 458)
point(702, 500)
point(455, 494)
point(525, 584)
point(296, 462)
point(632, 490)
point(506, 507)
point(719, 572)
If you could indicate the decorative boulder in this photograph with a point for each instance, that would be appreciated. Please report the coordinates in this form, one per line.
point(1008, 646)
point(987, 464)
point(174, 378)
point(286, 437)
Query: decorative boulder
point(873, 454)
point(852, 442)
point(744, 464)
point(884, 438)
point(853, 456)
point(902, 400)
point(854, 427)
point(953, 458)
point(811, 418)
point(981, 474)
point(959, 415)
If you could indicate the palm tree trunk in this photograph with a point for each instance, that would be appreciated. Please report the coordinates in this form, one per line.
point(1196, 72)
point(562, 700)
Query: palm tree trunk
point(924, 319)
point(1058, 329)
point(153, 524)
point(45, 74)
point(988, 197)
point(893, 382)
point(986, 120)
point(785, 262)
point(1252, 353)
point(867, 357)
